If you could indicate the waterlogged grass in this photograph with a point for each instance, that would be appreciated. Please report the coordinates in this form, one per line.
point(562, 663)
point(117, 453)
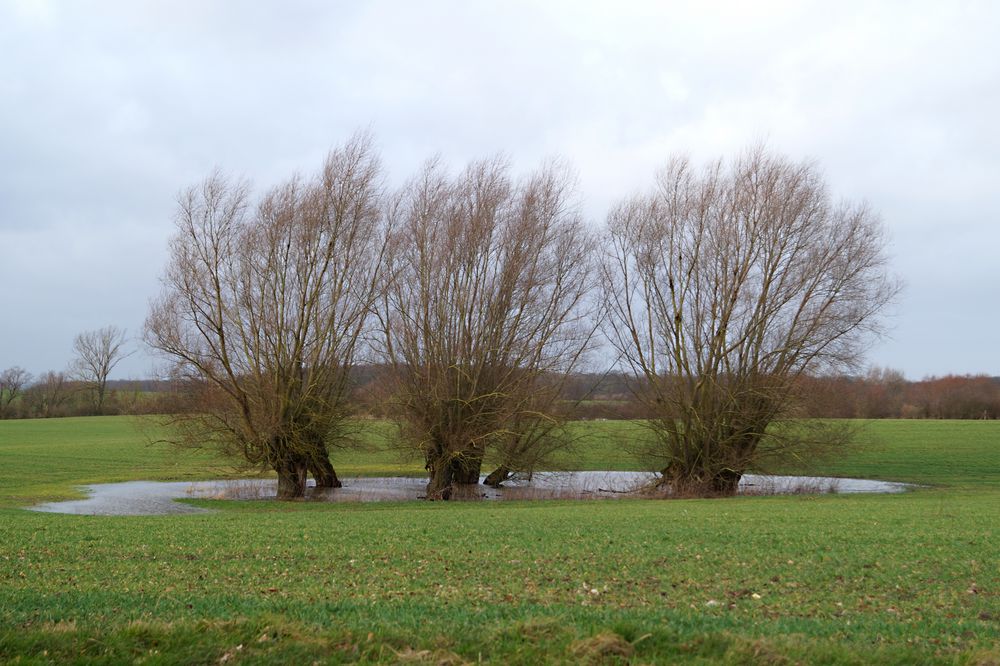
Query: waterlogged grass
point(44, 459)
point(909, 578)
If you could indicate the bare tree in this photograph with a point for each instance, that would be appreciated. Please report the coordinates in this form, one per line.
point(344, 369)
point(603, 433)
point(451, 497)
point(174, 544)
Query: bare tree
point(47, 396)
point(12, 381)
point(97, 354)
point(484, 315)
point(724, 286)
point(263, 309)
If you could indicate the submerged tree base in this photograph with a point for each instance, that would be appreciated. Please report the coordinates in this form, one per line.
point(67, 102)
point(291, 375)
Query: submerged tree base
point(724, 483)
point(293, 477)
point(497, 476)
point(447, 475)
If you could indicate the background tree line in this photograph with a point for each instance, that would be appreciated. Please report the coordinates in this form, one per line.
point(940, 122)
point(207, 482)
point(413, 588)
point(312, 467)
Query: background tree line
point(877, 394)
point(84, 389)
point(886, 394)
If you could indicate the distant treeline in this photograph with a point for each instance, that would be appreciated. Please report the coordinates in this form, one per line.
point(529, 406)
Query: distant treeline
point(886, 394)
point(55, 394)
point(881, 394)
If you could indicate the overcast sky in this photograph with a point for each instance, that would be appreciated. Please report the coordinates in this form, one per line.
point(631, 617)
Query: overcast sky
point(108, 109)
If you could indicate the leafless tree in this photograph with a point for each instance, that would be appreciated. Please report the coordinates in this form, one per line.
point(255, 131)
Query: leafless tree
point(484, 314)
point(721, 288)
point(47, 396)
point(264, 308)
point(97, 354)
point(12, 381)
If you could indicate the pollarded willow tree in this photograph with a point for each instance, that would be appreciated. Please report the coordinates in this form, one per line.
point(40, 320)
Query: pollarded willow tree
point(723, 287)
point(484, 314)
point(264, 307)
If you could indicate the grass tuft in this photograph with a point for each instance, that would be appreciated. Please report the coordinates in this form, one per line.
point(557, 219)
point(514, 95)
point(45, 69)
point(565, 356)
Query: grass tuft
point(606, 647)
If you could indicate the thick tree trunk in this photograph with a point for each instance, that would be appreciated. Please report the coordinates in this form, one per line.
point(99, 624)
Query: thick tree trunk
point(726, 482)
point(291, 478)
point(325, 475)
point(497, 476)
point(322, 470)
point(447, 473)
point(700, 483)
point(440, 485)
point(468, 469)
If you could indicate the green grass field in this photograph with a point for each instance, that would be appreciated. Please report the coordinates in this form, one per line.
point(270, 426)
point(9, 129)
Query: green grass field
point(910, 578)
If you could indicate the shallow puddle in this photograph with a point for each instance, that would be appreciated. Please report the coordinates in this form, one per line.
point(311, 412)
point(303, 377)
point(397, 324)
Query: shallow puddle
point(139, 498)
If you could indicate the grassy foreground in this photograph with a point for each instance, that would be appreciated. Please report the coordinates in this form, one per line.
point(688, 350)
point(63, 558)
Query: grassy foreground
point(912, 578)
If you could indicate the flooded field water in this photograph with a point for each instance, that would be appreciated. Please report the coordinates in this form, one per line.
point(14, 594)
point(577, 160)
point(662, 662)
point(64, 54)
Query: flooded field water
point(136, 498)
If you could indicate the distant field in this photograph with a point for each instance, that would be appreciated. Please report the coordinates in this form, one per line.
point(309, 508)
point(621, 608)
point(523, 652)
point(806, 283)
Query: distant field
point(901, 579)
point(944, 453)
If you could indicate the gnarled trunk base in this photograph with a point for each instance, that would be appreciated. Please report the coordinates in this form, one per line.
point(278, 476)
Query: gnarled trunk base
point(497, 476)
point(446, 474)
point(723, 483)
point(440, 485)
point(726, 482)
point(291, 478)
point(322, 470)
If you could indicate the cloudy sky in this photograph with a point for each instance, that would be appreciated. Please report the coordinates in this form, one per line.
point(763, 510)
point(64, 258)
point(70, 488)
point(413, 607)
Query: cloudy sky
point(110, 108)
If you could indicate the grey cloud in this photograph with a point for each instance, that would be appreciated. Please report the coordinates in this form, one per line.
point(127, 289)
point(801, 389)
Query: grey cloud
point(110, 109)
